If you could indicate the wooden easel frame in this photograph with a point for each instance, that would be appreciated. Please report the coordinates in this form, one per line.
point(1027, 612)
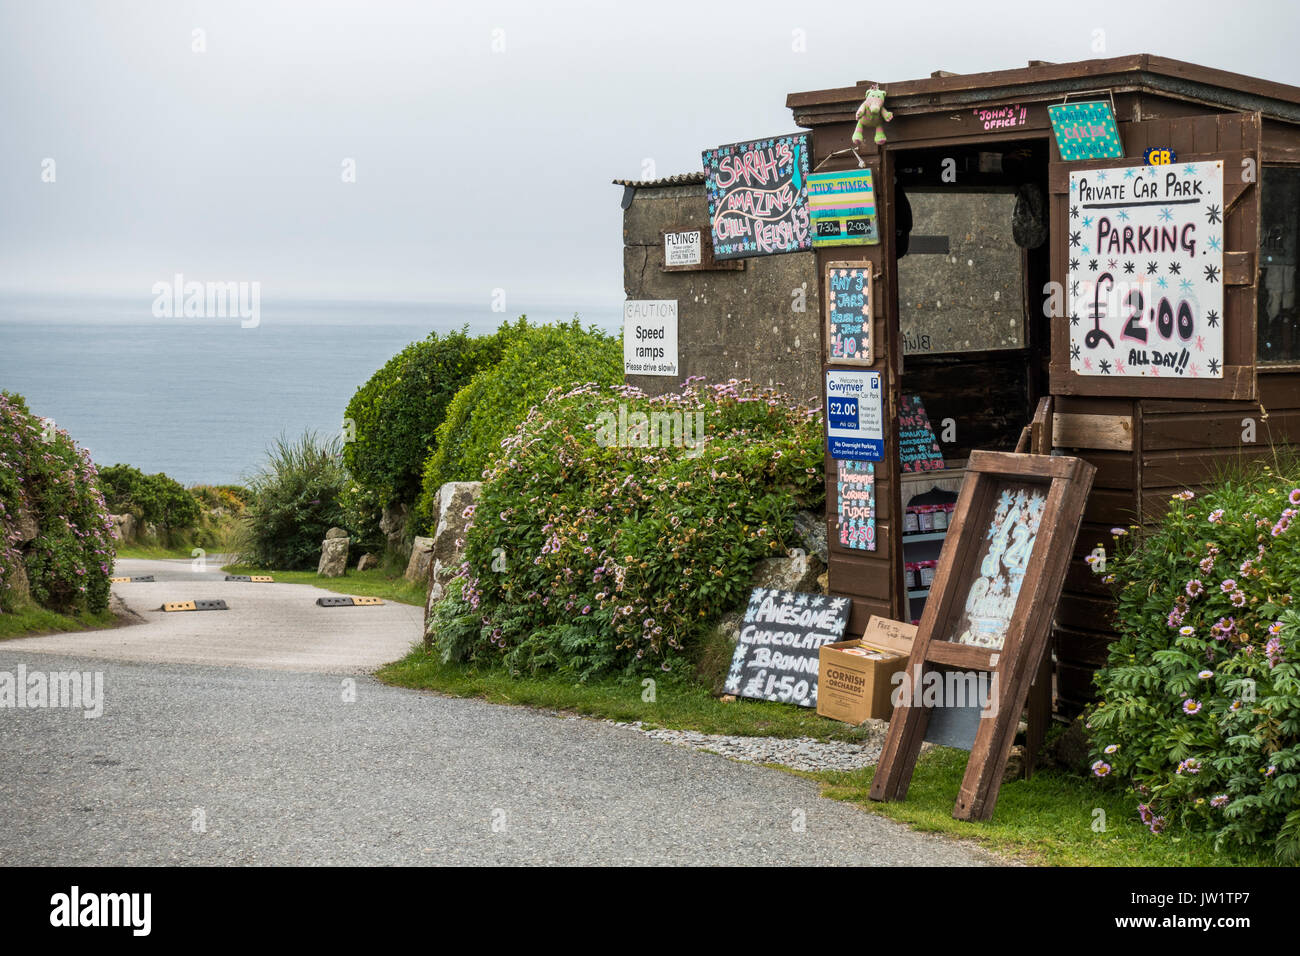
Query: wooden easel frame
point(1066, 482)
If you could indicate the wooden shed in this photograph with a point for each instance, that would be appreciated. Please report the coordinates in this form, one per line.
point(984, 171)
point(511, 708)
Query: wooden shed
point(967, 155)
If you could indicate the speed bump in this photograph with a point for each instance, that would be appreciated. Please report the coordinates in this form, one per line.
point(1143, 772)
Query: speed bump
point(136, 579)
point(347, 601)
point(195, 606)
point(254, 578)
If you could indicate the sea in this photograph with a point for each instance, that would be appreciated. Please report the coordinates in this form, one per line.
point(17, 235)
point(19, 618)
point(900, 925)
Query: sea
point(201, 399)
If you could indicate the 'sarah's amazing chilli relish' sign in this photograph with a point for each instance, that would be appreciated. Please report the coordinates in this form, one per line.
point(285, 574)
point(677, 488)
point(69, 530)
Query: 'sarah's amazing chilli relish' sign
point(777, 656)
point(758, 197)
point(1144, 292)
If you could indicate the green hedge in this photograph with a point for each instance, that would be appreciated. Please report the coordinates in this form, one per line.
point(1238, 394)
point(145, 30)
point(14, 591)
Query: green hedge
point(44, 475)
point(597, 548)
point(397, 412)
point(155, 499)
point(536, 359)
point(1199, 707)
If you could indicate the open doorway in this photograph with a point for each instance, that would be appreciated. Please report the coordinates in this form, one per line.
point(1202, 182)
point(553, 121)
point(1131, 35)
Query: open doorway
point(973, 262)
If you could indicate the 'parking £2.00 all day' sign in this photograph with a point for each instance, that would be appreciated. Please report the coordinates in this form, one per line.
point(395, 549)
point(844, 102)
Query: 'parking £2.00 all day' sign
point(1145, 271)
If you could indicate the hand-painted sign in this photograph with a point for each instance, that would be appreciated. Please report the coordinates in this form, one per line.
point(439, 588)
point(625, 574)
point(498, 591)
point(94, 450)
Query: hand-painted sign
point(1085, 131)
point(683, 248)
point(855, 421)
point(918, 449)
point(1002, 117)
point(991, 598)
point(1159, 156)
point(855, 510)
point(843, 208)
point(848, 313)
point(758, 197)
point(650, 337)
point(1145, 271)
point(777, 656)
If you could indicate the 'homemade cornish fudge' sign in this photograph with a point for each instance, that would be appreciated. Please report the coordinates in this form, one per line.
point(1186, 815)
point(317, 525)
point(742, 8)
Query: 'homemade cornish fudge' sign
point(758, 197)
point(1145, 271)
point(777, 655)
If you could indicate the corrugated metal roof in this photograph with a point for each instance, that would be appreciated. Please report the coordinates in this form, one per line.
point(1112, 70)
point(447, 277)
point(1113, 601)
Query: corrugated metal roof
point(681, 179)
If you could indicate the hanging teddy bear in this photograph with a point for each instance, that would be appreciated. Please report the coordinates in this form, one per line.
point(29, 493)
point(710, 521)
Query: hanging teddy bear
point(872, 113)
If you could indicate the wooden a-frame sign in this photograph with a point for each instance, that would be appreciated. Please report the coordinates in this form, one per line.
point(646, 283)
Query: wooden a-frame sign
point(990, 612)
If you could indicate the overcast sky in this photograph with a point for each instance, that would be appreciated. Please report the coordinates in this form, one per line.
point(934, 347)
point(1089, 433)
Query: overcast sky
point(475, 168)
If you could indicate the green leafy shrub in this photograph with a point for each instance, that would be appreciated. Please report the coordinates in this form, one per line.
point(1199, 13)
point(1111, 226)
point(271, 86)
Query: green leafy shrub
point(1199, 704)
point(362, 511)
point(536, 360)
point(154, 499)
point(597, 546)
point(47, 478)
point(397, 412)
point(295, 499)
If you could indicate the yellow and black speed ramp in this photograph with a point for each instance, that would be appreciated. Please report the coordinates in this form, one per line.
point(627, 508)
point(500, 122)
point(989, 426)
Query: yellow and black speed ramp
point(348, 601)
point(254, 578)
point(195, 606)
point(136, 579)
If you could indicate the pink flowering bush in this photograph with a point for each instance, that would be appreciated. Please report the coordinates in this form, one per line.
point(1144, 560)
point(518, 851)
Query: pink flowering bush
point(601, 542)
point(45, 477)
point(1199, 706)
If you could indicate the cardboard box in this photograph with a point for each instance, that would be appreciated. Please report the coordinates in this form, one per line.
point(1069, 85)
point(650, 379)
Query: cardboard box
point(852, 688)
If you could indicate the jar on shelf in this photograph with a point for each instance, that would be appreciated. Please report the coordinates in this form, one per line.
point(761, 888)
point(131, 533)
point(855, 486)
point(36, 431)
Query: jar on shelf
point(940, 517)
point(925, 572)
point(925, 519)
point(910, 521)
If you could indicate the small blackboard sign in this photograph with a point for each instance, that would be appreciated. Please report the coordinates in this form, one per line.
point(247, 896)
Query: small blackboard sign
point(848, 313)
point(918, 449)
point(758, 197)
point(777, 655)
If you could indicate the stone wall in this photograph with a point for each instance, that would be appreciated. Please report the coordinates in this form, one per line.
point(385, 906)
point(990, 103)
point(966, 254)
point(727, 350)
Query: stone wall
point(731, 323)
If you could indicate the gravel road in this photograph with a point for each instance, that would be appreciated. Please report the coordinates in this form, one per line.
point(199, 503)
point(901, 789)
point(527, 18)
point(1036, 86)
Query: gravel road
point(219, 763)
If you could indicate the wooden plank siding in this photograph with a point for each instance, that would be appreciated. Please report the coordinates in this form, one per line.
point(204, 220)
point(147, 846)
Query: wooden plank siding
point(872, 580)
point(1160, 444)
point(1146, 438)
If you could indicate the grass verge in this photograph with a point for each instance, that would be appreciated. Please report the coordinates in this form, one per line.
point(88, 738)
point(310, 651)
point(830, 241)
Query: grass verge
point(35, 621)
point(1047, 820)
point(678, 704)
point(386, 583)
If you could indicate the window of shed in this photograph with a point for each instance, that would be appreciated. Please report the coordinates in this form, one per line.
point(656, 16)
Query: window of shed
point(1279, 330)
point(960, 287)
